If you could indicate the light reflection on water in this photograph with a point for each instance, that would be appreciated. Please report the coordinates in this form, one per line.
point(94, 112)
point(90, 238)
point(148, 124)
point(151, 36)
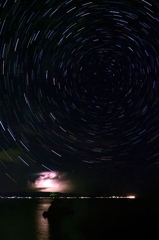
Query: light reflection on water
point(42, 225)
point(23, 219)
point(62, 228)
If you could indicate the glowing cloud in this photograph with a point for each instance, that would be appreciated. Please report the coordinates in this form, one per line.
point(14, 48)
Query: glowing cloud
point(52, 182)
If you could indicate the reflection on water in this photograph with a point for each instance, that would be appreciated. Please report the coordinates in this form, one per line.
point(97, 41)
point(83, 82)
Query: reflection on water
point(42, 225)
point(69, 225)
point(23, 220)
point(65, 225)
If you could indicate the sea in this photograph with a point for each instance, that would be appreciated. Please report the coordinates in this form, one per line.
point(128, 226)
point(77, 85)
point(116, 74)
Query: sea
point(87, 219)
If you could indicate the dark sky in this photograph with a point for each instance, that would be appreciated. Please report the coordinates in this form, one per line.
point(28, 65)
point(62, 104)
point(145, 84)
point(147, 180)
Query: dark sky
point(79, 95)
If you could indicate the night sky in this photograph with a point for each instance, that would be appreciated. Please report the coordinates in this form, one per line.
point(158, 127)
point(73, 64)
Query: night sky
point(79, 96)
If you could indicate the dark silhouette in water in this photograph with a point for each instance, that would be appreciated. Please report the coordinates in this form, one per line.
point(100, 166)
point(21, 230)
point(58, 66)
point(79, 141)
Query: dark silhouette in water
point(59, 208)
point(92, 218)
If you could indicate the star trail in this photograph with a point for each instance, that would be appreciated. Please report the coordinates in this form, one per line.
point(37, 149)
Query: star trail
point(79, 84)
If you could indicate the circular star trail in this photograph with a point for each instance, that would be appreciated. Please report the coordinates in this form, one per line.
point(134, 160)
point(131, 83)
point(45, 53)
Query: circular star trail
point(79, 82)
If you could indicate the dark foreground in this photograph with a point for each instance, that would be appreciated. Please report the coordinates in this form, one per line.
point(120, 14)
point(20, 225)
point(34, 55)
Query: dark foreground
point(80, 219)
point(109, 219)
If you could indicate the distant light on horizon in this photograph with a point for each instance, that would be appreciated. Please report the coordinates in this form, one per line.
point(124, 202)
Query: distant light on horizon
point(70, 197)
point(131, 197)
point(128, 197)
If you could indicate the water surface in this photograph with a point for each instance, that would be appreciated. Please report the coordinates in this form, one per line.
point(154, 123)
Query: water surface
point(88, 219)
